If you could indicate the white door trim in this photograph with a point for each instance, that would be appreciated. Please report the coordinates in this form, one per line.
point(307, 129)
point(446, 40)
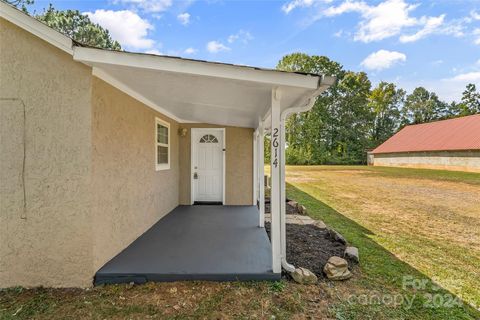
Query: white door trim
point(193, 132)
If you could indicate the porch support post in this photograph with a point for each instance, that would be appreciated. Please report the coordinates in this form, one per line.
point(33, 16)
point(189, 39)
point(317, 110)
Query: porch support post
point(275, 164)
point(255, 168)
point(261, 174)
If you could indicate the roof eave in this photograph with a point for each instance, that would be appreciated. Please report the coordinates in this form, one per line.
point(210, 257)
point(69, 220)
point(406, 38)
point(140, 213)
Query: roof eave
point(93, 56)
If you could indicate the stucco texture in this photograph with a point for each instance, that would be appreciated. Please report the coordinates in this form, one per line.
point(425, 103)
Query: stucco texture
point(129, 195)
point(238, 162)
point(446, 160)
point(77, 166)
point(45, 229)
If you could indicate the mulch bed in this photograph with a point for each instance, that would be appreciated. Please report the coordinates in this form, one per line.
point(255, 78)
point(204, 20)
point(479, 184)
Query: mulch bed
point(310, 247)
point(307, 245)
point(288, 209)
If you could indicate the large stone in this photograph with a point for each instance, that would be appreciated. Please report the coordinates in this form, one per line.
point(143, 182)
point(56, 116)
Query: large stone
point(304, 276)
point(293, 204)
point(300, 208)
point(334, 235)
point(304, 210)
point(320, 224)
point(351, 254)
point(337, 269)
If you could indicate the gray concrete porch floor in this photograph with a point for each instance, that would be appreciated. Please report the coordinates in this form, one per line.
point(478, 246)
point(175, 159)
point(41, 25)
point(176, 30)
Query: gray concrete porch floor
point(218, 243)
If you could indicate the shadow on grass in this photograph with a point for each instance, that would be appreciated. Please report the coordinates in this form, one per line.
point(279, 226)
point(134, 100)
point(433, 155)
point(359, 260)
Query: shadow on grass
point(387, 287)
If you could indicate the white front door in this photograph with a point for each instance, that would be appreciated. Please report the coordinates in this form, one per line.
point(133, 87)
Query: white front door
point(207, 164)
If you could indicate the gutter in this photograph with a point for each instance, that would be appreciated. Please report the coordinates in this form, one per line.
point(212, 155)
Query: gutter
point(306, 104)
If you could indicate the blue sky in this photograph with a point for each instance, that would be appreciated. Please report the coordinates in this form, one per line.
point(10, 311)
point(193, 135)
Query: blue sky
point(435, 44)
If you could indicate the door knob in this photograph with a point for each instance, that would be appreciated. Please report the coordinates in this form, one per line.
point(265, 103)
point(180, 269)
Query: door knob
point(195, 175)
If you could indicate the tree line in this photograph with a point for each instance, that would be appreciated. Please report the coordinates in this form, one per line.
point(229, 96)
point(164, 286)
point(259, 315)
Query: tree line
point(352, 117)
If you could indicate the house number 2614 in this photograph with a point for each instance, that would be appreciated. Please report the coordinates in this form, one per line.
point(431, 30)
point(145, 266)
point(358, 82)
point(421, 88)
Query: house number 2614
point(275, 146)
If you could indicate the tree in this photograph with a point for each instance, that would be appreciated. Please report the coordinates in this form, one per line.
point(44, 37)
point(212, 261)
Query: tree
point(423, 106)
point(352, 117)
point(79, 27)
point(470, 101)
point(22, 4)
point(306, 141)
point(385, 102)
point(335, 130)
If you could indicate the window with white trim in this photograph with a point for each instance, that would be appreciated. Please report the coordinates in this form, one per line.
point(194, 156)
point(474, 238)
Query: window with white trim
point(162, 145)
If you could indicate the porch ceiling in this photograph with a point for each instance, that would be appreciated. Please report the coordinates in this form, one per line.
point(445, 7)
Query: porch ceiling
point(198, 91)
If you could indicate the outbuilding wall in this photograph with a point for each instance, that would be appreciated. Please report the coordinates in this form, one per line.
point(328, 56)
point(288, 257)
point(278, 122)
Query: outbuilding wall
point(45, 164)
point(446, 160)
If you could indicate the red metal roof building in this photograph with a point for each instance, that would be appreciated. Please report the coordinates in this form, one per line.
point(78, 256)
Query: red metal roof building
point(442, 144)
point(446, 135)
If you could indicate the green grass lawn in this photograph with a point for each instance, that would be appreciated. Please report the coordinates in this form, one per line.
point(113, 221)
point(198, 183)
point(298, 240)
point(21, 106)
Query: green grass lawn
point(406, 222)
point(408, 225)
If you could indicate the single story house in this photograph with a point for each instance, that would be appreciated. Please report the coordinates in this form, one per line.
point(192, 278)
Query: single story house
point(452, 144)
point(119, 166)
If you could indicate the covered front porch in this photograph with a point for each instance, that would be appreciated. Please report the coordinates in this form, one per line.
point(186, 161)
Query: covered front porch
point(211, 243)
point(206, 242)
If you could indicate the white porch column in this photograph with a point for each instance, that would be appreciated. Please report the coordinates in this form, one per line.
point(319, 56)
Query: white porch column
point(275, 189)
point(255, 168)
point(261, 173)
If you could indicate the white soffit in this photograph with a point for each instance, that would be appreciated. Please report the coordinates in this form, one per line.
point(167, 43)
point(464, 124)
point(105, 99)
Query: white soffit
point(197, 91)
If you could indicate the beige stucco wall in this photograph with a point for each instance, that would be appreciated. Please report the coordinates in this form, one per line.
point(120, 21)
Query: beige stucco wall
point(238, 161)
point(129, 194)
point(447, 160)
point(86, 185)
point(46, 239)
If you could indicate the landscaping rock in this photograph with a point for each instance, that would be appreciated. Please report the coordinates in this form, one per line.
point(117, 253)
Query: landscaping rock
point(351, 254)
point(304, 210)
point(304, 276)
point(320, 224)
point(337, 269)
point(293, 204)
point(300, 209)
point(334, 235)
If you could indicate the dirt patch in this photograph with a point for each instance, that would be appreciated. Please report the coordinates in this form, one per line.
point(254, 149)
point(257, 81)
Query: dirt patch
point(310, 247)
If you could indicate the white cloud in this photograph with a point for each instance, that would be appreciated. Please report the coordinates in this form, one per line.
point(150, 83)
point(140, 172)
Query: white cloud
point(431, 25)
point(390, 18)
point(190, 51)
point(475, 15)
point(450, 89)
point(243, 36)
point(184, 18)
point(378, 22)
point(287, 7)
point(473, 76)
point(476, 34)
point(125, 26)
point(383, 59)
point(338, 34)
point(151, 6)
point(216, 46)
point(154, 51)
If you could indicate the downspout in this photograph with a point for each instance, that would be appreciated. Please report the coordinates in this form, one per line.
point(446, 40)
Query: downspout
point(323, 84)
